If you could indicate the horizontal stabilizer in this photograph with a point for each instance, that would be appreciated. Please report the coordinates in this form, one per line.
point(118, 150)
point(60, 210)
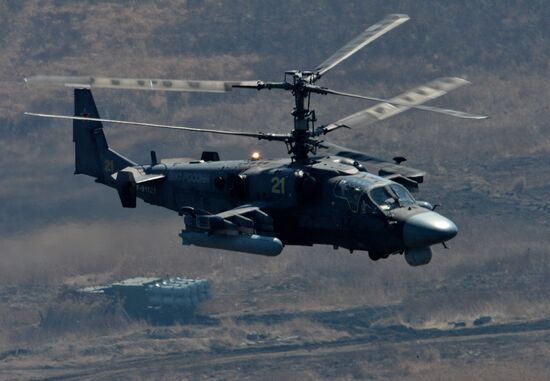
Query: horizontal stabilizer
point(137, 175)
point(126, 181)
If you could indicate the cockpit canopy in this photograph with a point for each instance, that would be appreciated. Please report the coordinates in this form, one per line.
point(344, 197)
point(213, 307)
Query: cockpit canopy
point(369, 194)
point(391, 196)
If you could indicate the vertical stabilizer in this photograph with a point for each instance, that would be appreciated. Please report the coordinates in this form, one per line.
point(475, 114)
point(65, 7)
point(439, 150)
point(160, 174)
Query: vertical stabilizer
point(93, 157)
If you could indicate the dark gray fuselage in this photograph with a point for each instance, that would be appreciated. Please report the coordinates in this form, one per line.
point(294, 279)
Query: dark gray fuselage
point(301, 215)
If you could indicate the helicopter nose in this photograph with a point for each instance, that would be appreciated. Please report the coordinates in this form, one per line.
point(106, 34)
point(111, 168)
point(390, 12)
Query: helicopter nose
point(427, 229)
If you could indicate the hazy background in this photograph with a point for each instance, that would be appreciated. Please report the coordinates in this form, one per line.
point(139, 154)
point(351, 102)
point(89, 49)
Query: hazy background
point(491, 177)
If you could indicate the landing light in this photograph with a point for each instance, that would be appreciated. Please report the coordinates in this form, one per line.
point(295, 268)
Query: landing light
point(255, 156)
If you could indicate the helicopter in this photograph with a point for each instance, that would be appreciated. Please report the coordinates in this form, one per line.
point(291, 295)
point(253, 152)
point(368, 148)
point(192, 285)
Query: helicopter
point(322, 194)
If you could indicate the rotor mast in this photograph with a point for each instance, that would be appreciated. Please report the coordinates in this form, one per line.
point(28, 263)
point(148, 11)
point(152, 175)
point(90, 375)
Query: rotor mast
point(300, 147)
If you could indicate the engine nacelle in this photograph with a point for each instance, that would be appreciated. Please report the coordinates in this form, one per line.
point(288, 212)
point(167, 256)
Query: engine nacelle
point(418, 256)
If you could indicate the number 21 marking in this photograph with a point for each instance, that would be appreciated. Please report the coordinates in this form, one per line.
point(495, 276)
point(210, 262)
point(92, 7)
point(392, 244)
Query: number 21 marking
point(278, 185)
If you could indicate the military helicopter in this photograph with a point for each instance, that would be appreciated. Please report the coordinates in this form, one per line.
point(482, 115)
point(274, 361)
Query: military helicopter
point(321, 194)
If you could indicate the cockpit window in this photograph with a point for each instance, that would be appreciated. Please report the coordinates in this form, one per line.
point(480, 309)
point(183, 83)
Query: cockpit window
point(366, 206)
point(394, 197)
point(383, 199)
point(350, 193)
point(405, 198)
point(356, 191)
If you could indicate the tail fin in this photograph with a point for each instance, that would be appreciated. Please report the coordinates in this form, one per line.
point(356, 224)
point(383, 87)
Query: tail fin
point(93, 156)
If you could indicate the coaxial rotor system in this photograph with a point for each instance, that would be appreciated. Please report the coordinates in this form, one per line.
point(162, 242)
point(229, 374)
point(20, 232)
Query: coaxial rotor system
point(304, 138)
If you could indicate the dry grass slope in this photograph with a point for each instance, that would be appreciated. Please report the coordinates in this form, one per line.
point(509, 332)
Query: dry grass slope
point(491, 177)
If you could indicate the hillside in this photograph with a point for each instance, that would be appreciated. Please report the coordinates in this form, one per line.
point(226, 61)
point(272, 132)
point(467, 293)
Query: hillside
point(491, 177)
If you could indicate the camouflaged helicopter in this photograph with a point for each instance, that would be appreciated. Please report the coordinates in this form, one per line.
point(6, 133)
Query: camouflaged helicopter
point(321, 194)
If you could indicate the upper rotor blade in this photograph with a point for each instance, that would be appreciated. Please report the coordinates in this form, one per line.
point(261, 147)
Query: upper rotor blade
point(445, 111)
point(384, 110)
point(372, 33)
point(140, 83)
point(258, 135)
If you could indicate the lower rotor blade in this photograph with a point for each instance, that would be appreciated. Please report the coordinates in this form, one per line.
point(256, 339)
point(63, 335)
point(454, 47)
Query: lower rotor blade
point(384, 110)
point(258, 135)
point(410, 103)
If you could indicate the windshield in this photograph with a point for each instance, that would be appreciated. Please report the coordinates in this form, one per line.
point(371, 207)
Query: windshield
point(383, 199)
point(405, 198)
point(391, 197)
point(386, 197)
